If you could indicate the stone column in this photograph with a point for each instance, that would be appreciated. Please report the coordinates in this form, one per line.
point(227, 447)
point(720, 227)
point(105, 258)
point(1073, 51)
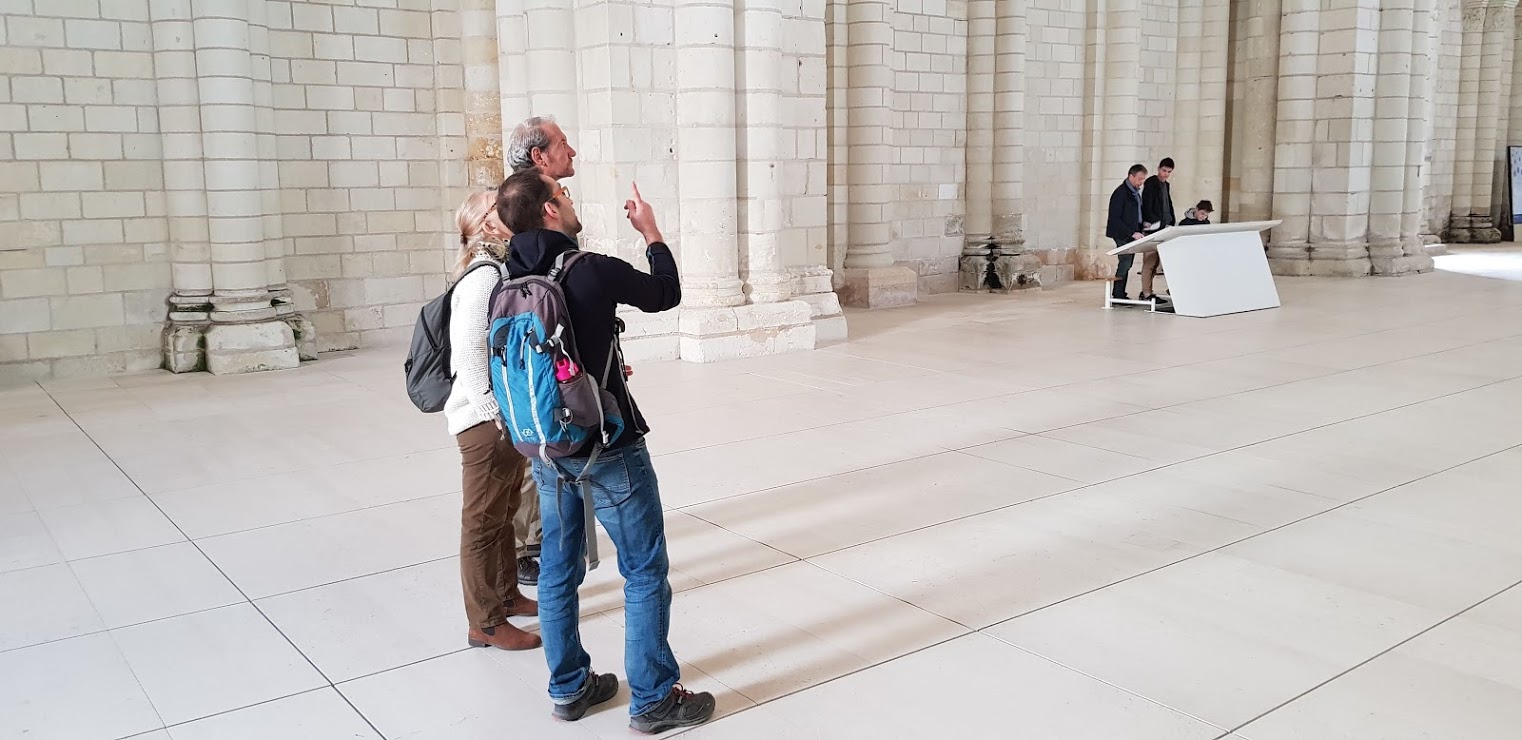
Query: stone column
point(1188, 101)
point(483, 93)
point(1114, 53)
point(1498, 23)
point(1414, 256)
point(1295, 136)
point(247, 333)
point(1251, 184)
point(1514, 120)
point(759, 55)
point(1343, 153)
point(512, 61)
point(1392, 91)
point(1461, 224)
point(179, 106)
point(275, 243)
point(707, 176)
point(1210, 148)
point(1014, 267)
point(982, 26)
point(871, 278)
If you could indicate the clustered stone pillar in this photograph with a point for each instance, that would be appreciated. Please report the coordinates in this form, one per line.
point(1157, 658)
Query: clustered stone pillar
point(1115, 43)
point(230, 311)
point(1414, 256)
point(483, 93)
point(1252, 183)
point(760, 148)
point(1488, 34)
point(706, 170)
point(1014, 267)
point(1392, 91)
point(871, 278)
point(995, 234)
point(184, 185)
point(978, 228)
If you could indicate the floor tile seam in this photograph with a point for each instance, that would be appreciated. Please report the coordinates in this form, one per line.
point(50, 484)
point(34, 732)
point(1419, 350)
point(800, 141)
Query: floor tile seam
point(758, 704)
point(338, 688)
point(346, 512)
point(1392, 648)
point(1255, 535)
point(105, 630)
point(1117, 687)
point(214, 564)
point(167, 727)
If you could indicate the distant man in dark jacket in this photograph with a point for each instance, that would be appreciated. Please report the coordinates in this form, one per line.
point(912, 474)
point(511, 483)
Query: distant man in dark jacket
point(626, 499)
point(1157, 214)
point(1124, 225)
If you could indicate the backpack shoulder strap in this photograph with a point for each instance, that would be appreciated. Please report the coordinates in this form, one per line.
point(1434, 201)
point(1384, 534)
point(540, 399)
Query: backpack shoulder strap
point(473, 268)
point(564, 262)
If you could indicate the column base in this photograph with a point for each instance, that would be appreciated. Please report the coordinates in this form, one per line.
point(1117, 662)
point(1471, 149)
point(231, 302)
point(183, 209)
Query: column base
point(184, 347)
point(813, 285)
point(1006, 273)
point(879, 287)
point(1328, 259)
point(713, 334)
point(248, 348)
point(1404, 265)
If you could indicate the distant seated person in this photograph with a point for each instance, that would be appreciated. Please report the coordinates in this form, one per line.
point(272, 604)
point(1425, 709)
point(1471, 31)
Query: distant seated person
point(1199, 214)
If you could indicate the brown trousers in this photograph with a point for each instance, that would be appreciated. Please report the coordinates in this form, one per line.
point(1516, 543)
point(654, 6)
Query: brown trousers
point(493, 476)
point(1150, 262)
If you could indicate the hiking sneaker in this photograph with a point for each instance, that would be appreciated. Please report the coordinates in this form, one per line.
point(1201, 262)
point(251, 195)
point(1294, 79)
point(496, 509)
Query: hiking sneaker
point(602, 688)
point(528, 571)
point(680, 708)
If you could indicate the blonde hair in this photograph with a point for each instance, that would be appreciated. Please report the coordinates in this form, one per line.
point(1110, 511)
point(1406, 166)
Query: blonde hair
point(474, 241)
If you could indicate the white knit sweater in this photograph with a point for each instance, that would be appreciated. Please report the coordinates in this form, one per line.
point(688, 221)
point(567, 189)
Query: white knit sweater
point(470, 399)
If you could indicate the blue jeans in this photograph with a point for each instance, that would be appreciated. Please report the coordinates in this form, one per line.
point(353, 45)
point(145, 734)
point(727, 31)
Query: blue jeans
point(1122, 271)
point(628, 504)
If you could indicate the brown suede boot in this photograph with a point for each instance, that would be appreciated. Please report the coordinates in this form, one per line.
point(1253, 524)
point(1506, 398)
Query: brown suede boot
point(503, 637)
point(522, 606)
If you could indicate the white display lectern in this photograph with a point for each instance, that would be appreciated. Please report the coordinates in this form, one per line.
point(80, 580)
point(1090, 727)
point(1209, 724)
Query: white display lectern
point(1212, 269)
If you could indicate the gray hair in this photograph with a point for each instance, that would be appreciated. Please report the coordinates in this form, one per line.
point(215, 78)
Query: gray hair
point(527, 137)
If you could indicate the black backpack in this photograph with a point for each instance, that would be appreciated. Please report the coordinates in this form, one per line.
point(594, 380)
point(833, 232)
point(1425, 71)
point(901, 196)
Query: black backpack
point(429, 379)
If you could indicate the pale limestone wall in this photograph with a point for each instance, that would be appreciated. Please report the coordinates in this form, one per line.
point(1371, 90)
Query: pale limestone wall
point(367, 102)
point(345, 131)
point(84, 264)
point(929, 59)
point(310, 153)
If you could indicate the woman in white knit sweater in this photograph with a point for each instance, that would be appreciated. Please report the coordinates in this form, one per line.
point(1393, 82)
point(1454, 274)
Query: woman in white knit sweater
point(493, 473)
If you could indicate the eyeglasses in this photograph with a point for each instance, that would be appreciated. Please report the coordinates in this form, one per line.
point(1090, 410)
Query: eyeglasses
point(565, 191)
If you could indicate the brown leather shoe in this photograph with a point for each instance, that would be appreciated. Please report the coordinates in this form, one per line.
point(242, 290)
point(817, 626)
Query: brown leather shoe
point(522, 606)
point(503, 637)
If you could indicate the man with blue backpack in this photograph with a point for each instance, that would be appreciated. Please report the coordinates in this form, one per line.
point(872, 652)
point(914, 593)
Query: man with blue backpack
point(558, 376)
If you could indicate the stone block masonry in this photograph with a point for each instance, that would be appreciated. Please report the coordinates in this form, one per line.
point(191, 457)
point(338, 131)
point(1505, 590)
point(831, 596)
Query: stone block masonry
point(288, 169)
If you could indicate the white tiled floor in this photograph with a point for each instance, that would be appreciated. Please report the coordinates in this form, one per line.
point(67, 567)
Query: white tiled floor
point(982, 516)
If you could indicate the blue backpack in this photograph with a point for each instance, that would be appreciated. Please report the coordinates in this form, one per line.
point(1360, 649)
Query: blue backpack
point(550, 404)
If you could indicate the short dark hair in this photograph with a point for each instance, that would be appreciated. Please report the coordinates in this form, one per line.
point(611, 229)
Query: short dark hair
point(1205, 206)
point(1167, 162)
point(521, 198)
point(1135, 168)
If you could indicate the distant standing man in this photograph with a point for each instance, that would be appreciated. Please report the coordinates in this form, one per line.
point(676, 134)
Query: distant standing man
point(1157, 214)
point(1124, 224)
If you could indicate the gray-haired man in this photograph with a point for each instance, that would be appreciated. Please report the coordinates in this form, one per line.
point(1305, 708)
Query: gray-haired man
point(539, 142)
